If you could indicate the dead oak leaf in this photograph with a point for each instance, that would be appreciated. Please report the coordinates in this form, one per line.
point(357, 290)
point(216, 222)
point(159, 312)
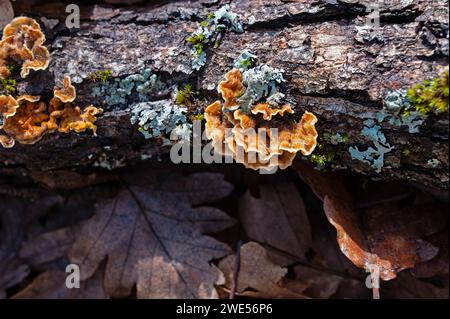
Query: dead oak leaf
point(382, 236)
point(16, 214)
point(49, 246)
point(277, 218)
point(258, 276)
point(153, 237)
point(52, 285)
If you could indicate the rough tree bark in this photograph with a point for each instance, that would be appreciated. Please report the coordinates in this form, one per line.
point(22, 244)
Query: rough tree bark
point(330, 68)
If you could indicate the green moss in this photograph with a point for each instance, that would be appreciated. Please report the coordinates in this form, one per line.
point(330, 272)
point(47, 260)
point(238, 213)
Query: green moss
point(431, 96)
point(210, 33)
point(322, 160)
point(11, 67)
point(247, 63)
point(197, 117)
point(323, 154)
point(345, 137)
point(196, 38)
point(406, 152)
point(7, 86)
point(101, 76)
point(186, 96)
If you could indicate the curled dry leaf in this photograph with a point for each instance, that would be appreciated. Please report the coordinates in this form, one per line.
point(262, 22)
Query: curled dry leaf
point(49, 246)
point(153, 237)
point(387, 236)
point(277, 219)
point(52, 285)
point(258, 273)
point(388, 239)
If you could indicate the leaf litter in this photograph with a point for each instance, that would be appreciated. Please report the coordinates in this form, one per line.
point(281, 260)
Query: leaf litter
point(172, 233)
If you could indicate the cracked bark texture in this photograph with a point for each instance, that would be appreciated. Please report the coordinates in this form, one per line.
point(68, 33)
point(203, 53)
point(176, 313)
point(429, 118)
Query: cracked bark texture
point(332, 68)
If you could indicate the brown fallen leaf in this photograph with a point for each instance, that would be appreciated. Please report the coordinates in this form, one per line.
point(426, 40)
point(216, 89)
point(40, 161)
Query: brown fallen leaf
point(258, 276)
point(384, 241)
point(408, 287)
point(153, 237)
point(387, 235)
point(16, 215)
point(277, 218)
point(321, 285)
point(323, 183)
point(327, 265)
point(12, 216)
point(52, 285)
point(49, 246)
point(438, 265)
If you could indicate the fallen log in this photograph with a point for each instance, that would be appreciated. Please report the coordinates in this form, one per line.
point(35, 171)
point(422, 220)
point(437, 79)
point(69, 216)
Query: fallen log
point(334, 66)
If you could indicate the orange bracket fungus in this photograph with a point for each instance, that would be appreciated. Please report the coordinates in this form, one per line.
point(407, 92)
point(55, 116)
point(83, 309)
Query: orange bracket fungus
point(260, 136)
point(26, 119)
point(23, 41)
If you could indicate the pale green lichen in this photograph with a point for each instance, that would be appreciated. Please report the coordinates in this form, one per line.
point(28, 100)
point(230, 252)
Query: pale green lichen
point(181, 132)
point(411, 107)
point(433, 162)
point(245, 61)
point(157, 118)
point(374, 156)
point(394, 111)
point(210, 32)
point(119, 91)
point(262, 85)
point(335, 138)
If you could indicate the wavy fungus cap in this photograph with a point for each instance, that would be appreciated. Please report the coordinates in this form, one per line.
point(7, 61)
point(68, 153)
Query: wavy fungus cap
point(73, 119)
point(8, 106)
point(23, 41)
point(231, 88)
point(67, 93)
point(30, 122)
point(27, 119)
point(262, 139)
